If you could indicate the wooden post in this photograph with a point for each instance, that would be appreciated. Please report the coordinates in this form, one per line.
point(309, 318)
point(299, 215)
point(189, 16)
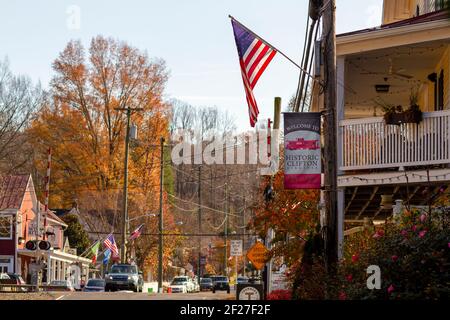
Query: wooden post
point(161, 226)
point(330, 163)
point(199, 222)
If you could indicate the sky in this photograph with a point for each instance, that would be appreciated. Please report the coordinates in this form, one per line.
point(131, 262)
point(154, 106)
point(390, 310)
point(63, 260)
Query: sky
point(194, 38)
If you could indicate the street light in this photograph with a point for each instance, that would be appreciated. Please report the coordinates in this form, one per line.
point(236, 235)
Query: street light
point(143, 216)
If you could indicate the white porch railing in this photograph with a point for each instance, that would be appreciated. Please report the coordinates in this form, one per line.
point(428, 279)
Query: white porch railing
point(369, 143)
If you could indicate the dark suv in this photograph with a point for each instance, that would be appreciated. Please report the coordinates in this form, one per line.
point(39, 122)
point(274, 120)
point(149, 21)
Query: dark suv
point(124, 277)
point(220, 283)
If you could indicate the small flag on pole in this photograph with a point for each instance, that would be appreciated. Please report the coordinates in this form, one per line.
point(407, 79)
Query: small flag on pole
point(110, 243)
point(107, 255)
point(254, 57)
point(136, 233)
point(94, 251)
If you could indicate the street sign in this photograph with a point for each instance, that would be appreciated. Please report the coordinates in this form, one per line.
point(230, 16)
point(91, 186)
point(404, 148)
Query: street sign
point(236, 248)
point(257, 255)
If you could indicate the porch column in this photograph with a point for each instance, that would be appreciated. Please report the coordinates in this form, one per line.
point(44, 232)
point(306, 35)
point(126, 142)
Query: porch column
point(340, 220)
point(340, 115)
point(64, 271)
point(340, 109)
point(54, 269)
point(49, 269)
point(59, 270)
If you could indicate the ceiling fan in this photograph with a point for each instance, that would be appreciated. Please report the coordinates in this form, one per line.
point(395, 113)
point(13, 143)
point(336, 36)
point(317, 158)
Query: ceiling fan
point(392, 71)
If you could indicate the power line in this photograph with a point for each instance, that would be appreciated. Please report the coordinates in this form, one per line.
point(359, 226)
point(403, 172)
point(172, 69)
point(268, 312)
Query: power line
point(202, 206)
point(180, 234)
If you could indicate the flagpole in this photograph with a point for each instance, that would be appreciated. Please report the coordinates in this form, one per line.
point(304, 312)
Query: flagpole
point(89, 248)
point(270, 45)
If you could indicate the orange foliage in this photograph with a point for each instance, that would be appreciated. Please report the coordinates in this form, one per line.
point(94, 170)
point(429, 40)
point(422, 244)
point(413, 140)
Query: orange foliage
point(87, 134)
point(292, 214)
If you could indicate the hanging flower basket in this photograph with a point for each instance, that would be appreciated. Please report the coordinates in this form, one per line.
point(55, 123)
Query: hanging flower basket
point(412, 115)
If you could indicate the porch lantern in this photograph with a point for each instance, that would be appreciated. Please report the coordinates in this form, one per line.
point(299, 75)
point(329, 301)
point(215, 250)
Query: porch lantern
point(386, 201)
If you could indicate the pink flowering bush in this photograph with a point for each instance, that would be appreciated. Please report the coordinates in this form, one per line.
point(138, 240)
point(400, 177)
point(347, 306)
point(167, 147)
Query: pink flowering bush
point(413, 255)
point(280, 295)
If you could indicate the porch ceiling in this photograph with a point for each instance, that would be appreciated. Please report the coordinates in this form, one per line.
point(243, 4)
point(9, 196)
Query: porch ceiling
point(365, 70)
point(367, 201)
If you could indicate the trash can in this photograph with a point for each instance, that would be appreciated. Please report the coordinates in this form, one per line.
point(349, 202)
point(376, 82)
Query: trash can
point(150, 290)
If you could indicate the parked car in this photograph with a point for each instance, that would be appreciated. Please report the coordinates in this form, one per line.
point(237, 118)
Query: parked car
point(94, 285)
point(220, 283)
point(190, 284)
point(242, 280)
point(255, 280)
point(179, 285)
point(124, 277)
point(5, 279)
point(4, 276)
point(17, 279)
point(61, 285)
point(206, 284)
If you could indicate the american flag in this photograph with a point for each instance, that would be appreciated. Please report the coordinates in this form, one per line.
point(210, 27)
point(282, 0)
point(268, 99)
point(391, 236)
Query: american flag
point(136, 233)
point(254, 57)
point(110, 243)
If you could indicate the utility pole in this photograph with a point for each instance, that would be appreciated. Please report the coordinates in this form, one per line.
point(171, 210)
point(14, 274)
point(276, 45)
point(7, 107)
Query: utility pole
point(125, 191)
point(125, 184)
point(330, 163)
point(161, 244)
point(199, 221)
point(226, 230)
point(243, 237)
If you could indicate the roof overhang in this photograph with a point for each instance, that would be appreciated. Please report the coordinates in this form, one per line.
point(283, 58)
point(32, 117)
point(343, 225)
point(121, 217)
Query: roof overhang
point(392, 37)
point(55, 254)
point(55, 222)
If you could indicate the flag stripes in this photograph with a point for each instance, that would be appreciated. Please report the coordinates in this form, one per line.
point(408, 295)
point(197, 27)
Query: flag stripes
point(110, 243)
point(254, 57)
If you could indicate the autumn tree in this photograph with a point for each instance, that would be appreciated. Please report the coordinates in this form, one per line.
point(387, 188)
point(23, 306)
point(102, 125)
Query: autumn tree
point(86, 132)
point(292, 214)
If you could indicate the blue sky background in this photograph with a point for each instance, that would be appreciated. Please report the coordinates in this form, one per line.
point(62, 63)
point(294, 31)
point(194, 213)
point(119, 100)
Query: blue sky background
point(194, 38)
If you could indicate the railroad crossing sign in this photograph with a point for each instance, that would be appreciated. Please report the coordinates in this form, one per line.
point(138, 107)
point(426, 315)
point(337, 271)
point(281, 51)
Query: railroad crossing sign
point(257, 255)
point(236, 248)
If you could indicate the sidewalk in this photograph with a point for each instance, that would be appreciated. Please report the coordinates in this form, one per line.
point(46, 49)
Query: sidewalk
point(27, 296)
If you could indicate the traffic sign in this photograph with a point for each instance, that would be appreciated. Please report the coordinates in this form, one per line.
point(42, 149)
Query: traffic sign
point(236, 248)
point(257, 255)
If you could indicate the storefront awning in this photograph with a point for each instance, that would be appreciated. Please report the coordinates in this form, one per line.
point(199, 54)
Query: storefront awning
point(54, 254)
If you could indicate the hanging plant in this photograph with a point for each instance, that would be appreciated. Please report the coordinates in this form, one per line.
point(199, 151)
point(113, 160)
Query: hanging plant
point(396, 115)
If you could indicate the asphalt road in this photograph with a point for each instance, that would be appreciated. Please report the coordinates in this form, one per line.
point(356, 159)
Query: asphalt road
point(128, 295)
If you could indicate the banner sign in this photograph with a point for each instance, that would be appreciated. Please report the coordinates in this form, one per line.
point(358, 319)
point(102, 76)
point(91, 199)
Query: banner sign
point(302, 154)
